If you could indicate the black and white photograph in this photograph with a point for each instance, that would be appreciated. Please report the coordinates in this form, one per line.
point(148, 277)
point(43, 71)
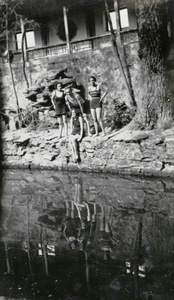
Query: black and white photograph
point(86, 149)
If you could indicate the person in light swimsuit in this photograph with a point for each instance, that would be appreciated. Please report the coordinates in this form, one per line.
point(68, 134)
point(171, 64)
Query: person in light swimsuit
point(96, 97)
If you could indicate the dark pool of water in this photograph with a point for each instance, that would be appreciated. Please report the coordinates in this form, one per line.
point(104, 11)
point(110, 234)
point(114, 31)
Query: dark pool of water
point(86, 236)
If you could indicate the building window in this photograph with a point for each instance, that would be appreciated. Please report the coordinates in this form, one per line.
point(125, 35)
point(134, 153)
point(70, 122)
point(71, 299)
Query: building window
point(124, 19)
point(29, 39)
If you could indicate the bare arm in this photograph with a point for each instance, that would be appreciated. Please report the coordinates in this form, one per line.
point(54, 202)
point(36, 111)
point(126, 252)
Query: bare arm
point(89, 93)
point(104, 94)
point(67, 103)
point(81, 107)
point(88, 212)
point(52, 98)
point(64, 233)
point(81, 129)
point(71, 124)
point(80, 104)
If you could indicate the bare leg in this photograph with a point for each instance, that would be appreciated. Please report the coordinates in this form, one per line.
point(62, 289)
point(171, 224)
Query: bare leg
point(79, 193)
point(94, 214)
point(65, 125)
point(102, 224)
point(67, 208)
point(60, 125)
point(73, 142)
point(93, 113)
point(87, 124)
point(76, 149)
point(108, 220)
point(99, 119)
point(107, 226)
point(76, 194)
point(72, 145)
point(72, 209)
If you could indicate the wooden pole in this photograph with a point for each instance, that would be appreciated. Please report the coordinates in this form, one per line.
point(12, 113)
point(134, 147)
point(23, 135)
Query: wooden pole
point(66, 29)
point(122, 48)
point(120, 66)
point(9, 62)
point(24, 53)
point(6, 27)
point(23, 38)
point(116, 8)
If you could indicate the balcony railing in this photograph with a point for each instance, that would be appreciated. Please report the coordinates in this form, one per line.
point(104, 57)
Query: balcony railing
point(93, 43)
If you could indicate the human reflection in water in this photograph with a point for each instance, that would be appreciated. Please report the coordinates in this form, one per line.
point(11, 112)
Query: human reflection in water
point(106, 237)
point(86, 213)
point(87, 216)
point(78, 225)
point(71, 225)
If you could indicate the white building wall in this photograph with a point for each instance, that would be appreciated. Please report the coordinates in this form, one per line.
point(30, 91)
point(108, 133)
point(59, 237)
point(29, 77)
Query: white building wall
point(79, 19)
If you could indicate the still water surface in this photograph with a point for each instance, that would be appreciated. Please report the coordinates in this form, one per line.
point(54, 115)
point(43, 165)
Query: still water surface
point(86, 236)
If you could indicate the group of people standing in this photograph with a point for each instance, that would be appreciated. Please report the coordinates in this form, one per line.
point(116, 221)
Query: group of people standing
point(69, 99)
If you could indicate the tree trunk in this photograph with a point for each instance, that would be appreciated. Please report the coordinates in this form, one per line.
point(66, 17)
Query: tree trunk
point(24, 54)
point(9, 61)
point(154, 107)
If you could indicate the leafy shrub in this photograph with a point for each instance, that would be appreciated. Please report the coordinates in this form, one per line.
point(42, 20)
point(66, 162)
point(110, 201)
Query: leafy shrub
point(29, 117)
point(122, 115)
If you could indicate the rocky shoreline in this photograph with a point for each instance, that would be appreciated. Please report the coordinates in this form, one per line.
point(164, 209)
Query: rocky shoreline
point(147, 153)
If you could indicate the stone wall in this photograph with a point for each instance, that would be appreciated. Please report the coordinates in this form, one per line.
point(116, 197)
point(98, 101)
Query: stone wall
point(149, 153)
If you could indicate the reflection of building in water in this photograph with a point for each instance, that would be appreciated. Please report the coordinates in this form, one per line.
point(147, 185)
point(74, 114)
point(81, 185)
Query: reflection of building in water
point(50, 249)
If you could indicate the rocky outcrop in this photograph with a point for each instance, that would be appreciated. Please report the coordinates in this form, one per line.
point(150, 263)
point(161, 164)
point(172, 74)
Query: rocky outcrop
point(124, 152)
point(39, 94)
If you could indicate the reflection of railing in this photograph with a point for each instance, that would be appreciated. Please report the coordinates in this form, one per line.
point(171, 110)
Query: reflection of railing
point(103, 41)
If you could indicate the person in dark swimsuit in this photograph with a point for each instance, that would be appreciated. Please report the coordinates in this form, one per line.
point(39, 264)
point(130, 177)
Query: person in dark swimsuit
point(71, 225)
point(76, 133)
point(96, 96)
point(75, 102)
point(58, 101)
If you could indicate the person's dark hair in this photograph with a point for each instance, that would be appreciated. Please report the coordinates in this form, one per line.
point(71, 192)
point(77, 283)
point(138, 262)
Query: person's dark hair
point(92, 77)
point(56, 84)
